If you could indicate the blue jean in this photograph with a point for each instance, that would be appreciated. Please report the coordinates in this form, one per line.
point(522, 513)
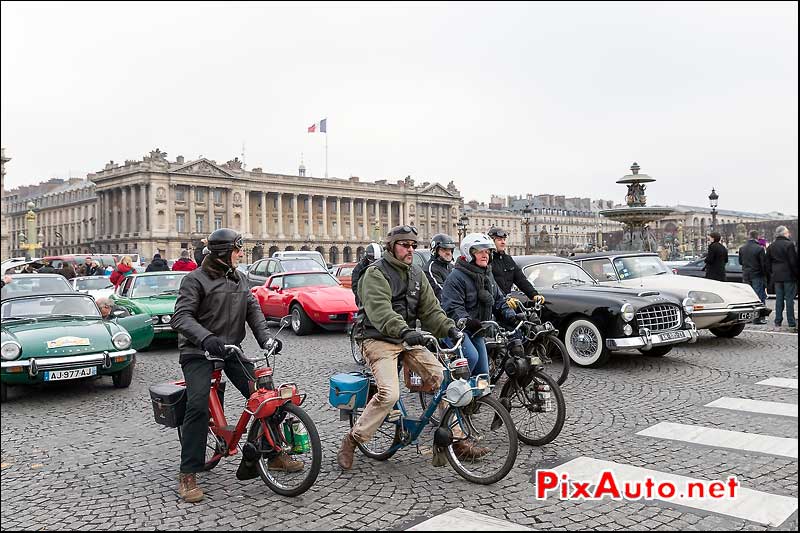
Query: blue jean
point(785, 292)
point(475, 351)
point(759, 284)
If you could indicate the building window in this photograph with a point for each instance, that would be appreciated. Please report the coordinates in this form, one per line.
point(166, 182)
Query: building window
point(217, 222)
point(199, 195)
point(199, 222)
point(180, 194)
point(217, 196)
point(180, 222)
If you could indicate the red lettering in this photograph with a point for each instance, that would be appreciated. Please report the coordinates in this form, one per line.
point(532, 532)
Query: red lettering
point(648, 484)
point(546, 481)
point(666, 490)
point(732, 484)
point(716, 489)
point(629, 494)
point(606, 485)
point(564, 486)
point(700, 488)
point(581, 490)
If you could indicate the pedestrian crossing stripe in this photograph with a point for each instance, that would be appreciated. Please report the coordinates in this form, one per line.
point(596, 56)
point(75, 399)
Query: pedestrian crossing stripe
point(748, 504)
point(756, 406)
point(460, 519)
point(780, 382)
point(721, 438)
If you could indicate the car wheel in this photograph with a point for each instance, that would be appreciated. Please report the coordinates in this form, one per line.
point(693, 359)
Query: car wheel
point(656, 351)
point(585, 343)
point(728, 332)
point(3, 392)
point(123, 378)
point(301, 324)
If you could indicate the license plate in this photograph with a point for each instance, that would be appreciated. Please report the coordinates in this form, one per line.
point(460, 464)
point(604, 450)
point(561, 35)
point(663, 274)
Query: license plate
point(671, 335)
point(746, 316)
point(73, 373)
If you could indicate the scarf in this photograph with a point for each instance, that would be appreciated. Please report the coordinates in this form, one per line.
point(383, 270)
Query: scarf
point(217, 268)
point(483, 284)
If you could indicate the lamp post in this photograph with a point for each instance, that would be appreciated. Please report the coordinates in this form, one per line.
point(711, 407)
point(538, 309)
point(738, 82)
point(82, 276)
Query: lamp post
point(462, 226)
point(32, 243)
point(713, 198)
point(526, 220)
point(555, 232)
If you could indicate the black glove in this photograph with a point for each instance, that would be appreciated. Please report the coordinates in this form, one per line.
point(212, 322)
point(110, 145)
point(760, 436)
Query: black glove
point(214, 345)
point(272, 340)
point(413, 337)
point(454, 334)
point(473, 325)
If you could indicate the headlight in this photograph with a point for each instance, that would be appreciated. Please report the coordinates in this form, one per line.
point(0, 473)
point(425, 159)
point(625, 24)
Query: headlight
point(165, 319)
point(688, 306)
point(154, 319)
point(10, 350)
point(627, 312)
point(121, 340)
point(627, 329)
point(701, 297)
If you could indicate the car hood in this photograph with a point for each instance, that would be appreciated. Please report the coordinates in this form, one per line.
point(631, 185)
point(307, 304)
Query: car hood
point(67, 337)
point(158, 305)
point(679, 286)
point(331, 298)
point(613, 293)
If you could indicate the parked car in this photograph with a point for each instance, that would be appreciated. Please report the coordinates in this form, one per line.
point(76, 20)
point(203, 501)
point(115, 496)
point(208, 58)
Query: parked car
point(313, 298)
point(421, 258)
point(15, 264)
point(721, 307)
point(344, 274)
point(32, 284)
point(303, 254)
point(153, 294)
point(95, 286)
point(260, 271)
point(733, 269)
point(76, 260)
point(594, 320)
point(56, 337)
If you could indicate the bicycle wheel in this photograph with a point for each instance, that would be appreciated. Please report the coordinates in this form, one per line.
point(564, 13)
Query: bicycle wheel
point(285, 482)
point(387, 435)
point(554, 356)
point(538, 419)
point(213, 449)
point(355, 347)
point(425, 399)
point(498, 440)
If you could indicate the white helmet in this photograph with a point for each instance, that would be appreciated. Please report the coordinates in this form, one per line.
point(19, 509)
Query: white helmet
point(479, 241)
point(374, 251)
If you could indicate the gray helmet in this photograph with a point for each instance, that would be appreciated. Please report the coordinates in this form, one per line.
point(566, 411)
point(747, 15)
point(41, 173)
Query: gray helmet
point(224, 240)
point(441, 240)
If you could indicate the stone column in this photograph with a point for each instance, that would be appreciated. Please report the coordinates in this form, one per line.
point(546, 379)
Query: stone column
point(264, 234)
point(325, 235)
point(280, 216)
point(170, 210)
point(389, 214)
point(190, 226)
point(311, 234)
point(210, 228)
point(352, 219)
point(115, 213)
point(296, 234)
point(124, 225)
point(339, 217)
point(365, 220)
point(99, 222)
point(246, 213)
point(144, 220)
point(229, 208)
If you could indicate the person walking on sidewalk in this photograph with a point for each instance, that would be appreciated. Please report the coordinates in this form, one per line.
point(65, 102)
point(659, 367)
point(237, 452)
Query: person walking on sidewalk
point(782, 262)
point(753, 259)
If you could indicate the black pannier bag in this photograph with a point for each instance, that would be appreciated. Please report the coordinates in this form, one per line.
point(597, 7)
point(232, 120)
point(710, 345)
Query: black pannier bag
point(169, 402)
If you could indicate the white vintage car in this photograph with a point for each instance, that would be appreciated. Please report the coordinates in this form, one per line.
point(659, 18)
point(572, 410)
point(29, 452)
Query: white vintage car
point(96, 286)
point(724, 308)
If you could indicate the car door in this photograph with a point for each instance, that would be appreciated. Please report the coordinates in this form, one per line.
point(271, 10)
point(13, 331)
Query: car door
point(140, 328)
point(256, 276)
point(733, 270)
point(272, 297)
point(695, 268)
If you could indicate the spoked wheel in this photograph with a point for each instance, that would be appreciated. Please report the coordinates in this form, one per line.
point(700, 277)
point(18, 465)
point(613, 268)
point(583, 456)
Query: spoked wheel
point(214, 449)
point(537, 408)
point(554, 356)
point(296, 431)
point(387, 435)
point(355, 347)
point(585, 344)
point(491, 436)
point(426, 398)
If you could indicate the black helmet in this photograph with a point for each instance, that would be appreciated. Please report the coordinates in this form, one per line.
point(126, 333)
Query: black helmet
point(373, 251)
point(400, 233)
point(499, 233)
point(224, 240)
point(441, 240)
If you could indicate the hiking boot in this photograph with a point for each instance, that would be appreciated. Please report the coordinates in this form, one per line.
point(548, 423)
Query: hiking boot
point(346, 451)
point(466, 449)
point(188, 489)
point(284, 463)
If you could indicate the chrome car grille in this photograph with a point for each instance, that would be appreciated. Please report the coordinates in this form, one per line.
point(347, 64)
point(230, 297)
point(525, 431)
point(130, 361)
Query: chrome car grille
point(659, 317)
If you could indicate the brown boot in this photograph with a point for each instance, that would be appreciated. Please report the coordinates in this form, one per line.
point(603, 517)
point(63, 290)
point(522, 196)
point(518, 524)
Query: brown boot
point(346, 451)
point(468, 450)
point(284, 463)
point(188, 489)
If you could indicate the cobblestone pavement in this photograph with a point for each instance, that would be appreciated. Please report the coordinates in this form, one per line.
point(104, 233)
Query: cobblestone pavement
point(88, 456)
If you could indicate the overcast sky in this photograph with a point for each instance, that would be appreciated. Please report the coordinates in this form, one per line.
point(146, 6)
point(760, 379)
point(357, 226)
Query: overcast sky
point(510, 98)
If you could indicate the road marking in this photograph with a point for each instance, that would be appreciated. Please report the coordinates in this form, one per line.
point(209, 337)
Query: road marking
point(460, 519)
point(756, 406)
point(748, 504)
point(780, 382)
point(721, 438)
point(770, 332)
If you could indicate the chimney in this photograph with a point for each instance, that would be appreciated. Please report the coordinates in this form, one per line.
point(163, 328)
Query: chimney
point(179, 160)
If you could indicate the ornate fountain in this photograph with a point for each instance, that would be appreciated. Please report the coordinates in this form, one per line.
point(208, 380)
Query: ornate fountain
point(637, 216)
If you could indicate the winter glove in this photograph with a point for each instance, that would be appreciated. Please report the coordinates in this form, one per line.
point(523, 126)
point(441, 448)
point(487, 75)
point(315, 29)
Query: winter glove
point(273, 341)
point(214, 346)
point(413, 337)
point(538, 299)
point(473, 325)
point(454, 334)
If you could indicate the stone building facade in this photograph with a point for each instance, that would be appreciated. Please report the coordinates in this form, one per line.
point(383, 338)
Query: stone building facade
point(481, 219)
point(5, 250)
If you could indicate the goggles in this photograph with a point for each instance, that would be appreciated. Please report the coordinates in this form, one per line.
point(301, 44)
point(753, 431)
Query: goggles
point(403, 229)
point(500, 234)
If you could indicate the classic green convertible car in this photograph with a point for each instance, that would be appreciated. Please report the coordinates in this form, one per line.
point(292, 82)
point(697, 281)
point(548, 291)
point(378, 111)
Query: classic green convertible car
point(63, 336)
point(153, 294)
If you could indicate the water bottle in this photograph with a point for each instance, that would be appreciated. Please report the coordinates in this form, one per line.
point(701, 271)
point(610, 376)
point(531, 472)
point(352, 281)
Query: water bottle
point(543, 390)
point(301, 442)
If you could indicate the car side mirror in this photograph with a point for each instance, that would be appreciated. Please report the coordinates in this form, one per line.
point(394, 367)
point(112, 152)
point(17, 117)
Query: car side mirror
point(274, 288)
point(329, 265)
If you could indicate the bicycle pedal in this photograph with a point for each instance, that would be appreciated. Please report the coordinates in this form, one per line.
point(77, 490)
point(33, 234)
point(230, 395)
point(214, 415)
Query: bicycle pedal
point(394, 415)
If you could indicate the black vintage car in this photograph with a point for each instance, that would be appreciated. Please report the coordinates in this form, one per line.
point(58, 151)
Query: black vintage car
point(733, 270)
point(595, 320)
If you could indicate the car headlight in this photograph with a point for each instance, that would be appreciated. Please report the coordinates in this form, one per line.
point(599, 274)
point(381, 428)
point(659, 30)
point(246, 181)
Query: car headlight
point(10, 350)
point(627, 312)
point(121, 340)
point(165, 319)
point(688, 306)
point(702, 297)
point(154, 319)
point(627, 329)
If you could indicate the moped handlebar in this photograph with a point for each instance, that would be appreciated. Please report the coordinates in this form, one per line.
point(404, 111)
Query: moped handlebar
point(434, 341)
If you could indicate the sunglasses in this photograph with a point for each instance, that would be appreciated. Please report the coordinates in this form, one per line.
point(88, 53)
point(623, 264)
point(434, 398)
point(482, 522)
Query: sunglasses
point(408, 244)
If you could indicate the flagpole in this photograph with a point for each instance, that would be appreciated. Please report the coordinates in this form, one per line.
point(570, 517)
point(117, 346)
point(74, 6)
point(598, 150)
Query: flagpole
point(326, 152)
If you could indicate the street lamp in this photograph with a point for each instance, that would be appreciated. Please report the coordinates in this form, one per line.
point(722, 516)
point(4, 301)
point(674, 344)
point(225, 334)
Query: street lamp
point(713, 198)
point(462, 226)
point(526, 220)
point(555, 232)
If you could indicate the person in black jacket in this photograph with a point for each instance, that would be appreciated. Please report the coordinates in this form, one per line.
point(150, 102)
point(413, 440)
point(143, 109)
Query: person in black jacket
point(157, 265)
point(198, 251)
point(716, 258)
point(372, 253)
point(440, 263)
point(505, 270)
point(753, 259)
point(782, 263)
point(214, 303)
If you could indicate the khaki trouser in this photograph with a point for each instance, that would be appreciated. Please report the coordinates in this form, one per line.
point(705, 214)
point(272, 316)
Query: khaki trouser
point(382, 357)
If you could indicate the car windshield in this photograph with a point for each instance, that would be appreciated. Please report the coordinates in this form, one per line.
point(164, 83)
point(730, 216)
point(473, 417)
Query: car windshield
point(346, 271)
point(553, 274)
point(93, 284)
point(315, 257)
point(309, 280)
point(43, 307)
point(302, 265)
point(145, 286)
point(23, 285)
point(640, 266)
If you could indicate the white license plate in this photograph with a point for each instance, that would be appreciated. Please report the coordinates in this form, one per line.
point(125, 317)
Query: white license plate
point(73, 373)
point(671, 335)
point(746, 316)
